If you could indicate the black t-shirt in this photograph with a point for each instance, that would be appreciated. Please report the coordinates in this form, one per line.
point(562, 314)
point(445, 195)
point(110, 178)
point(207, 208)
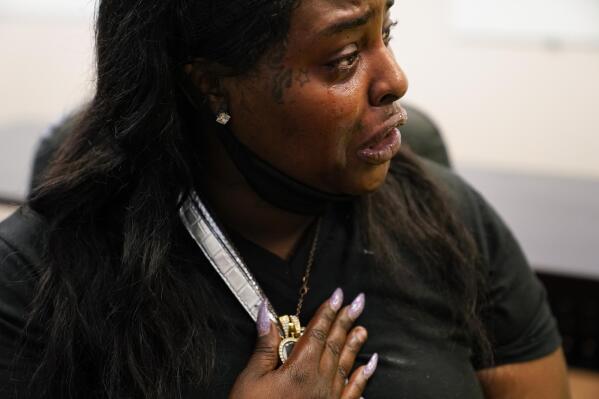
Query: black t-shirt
point(421, 353)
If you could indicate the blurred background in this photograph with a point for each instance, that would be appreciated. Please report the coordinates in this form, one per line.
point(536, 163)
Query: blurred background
point(512, 86)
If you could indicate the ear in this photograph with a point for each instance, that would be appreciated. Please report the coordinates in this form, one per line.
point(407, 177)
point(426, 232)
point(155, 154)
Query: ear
point(207, 78)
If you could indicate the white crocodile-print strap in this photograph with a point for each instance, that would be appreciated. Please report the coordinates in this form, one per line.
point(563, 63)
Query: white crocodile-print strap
point(223, 256)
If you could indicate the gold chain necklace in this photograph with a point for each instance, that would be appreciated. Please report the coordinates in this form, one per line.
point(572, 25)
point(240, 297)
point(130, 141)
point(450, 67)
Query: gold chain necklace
point(291, 325)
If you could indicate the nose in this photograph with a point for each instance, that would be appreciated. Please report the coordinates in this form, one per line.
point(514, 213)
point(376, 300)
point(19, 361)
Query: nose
point(388, 82)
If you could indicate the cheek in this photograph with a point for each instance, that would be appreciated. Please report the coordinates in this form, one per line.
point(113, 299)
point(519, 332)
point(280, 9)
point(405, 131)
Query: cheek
point(310, 136)
point(324, 120)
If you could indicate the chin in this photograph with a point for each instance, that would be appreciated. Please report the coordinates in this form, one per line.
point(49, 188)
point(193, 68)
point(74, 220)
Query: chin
point(368, 183)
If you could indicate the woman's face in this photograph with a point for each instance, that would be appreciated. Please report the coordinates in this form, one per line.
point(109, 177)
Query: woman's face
point(322, 107)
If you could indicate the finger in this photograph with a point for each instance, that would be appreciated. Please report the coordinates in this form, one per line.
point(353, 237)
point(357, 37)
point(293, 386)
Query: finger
point(335, 342)
point(265, 357)
point(310, 346)
point(356, 338)
point(359, 378)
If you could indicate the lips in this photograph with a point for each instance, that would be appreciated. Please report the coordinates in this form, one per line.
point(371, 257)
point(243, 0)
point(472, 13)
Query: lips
point(381, 149)
point(384, 144)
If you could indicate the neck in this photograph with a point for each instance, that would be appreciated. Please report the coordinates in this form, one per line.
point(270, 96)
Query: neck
point(241, 209)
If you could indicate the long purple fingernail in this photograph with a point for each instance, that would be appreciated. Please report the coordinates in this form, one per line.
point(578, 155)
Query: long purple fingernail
point(336, 299)
point(356, 307)
point(371, 366)
point(263, 323)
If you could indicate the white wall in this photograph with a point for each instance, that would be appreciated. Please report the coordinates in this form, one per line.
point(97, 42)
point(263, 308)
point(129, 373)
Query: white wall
point(504, 105)
point(46, 51)
point(508, 105)
point(46, 68)
point(45, 71)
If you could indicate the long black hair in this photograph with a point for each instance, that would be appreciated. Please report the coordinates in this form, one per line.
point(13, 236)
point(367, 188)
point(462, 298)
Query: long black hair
point(123, 319)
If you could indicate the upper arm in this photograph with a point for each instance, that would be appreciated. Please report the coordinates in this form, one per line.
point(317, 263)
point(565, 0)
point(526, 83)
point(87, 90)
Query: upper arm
point(516, 313)
point(543, 378)
point(528, 360)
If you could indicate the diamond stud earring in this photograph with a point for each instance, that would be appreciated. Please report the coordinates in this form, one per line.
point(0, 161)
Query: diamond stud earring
point(223, 118)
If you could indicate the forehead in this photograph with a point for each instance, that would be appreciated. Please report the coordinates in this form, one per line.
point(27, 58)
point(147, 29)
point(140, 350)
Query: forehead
point(342, 4)
point(315, 15)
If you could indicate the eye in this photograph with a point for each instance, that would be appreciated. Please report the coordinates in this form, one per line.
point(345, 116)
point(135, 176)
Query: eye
point(387, 32)
point(346, 61)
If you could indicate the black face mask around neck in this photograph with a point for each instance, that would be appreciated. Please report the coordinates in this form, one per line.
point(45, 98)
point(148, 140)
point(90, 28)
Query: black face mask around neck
point(274, 186)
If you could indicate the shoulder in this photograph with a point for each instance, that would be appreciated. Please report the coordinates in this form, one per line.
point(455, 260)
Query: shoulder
point(498, 248)
point(24, 231)
point(458, 191)
point(488, 229)
point(21, 240)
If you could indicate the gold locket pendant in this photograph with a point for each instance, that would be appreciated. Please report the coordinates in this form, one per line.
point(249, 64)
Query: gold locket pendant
point(290, 325)
point(293, 331)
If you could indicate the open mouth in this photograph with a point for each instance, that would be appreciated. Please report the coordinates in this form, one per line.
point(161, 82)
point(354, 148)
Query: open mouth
point(382, 148)
point(378, 140)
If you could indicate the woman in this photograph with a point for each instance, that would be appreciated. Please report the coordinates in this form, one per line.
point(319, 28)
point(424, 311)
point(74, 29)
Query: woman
point(282, 116)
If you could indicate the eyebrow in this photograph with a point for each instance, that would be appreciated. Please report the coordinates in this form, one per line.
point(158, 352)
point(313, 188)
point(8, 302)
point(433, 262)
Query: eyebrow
point(362, 20)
